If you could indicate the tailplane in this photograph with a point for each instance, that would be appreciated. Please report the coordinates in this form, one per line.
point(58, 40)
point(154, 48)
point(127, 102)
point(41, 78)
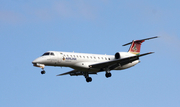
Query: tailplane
point(136, 45)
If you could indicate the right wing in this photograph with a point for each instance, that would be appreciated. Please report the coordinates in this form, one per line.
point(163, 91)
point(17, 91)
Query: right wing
point(110, 64)
point(115, 63)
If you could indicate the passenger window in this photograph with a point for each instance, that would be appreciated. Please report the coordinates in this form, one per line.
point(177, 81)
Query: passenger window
point(109, 59)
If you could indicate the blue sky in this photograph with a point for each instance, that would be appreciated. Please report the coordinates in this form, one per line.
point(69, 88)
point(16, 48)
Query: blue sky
point(30, 28)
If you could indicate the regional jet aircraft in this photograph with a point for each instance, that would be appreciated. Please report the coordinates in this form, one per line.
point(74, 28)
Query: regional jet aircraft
point(85, 64)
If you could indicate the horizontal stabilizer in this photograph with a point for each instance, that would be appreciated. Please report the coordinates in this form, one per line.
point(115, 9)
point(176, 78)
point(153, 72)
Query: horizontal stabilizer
point(141, 40)
point(145, 54)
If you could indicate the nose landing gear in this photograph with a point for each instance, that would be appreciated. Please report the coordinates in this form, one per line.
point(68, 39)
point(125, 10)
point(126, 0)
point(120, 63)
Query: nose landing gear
point(43, 72)
point(40, 66)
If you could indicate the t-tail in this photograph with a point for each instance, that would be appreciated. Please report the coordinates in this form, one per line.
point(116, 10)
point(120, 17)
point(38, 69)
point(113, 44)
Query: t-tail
point(136, 45)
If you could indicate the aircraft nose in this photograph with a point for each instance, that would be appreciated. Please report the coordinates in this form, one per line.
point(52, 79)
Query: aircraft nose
point(39, 63)
point(34, 61)
point(37, 60)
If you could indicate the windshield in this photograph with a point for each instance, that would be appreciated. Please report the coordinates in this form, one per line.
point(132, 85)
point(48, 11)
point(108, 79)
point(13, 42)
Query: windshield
point(47, 53)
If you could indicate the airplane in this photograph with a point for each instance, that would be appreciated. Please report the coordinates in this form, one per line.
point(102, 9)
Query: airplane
point(86, 64)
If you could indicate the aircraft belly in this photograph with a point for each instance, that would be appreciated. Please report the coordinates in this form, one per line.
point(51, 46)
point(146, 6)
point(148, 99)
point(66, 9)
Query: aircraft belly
point(127, 65)
point(82, 66)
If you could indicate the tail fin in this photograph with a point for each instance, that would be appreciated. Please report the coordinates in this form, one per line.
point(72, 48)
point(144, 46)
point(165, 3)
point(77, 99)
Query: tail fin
point(136, 45)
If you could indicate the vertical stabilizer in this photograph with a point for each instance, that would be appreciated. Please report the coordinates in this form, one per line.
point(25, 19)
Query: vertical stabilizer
point(136, 47)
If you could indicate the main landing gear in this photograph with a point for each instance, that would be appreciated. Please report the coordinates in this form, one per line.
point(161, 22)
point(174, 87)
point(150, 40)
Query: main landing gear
point(88, 79)
point(108, 74)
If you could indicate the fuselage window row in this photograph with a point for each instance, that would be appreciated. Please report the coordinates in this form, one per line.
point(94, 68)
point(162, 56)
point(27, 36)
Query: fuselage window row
point(103, 58)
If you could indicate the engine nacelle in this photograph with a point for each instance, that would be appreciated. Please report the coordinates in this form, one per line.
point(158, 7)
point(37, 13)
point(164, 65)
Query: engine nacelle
point(117, 55)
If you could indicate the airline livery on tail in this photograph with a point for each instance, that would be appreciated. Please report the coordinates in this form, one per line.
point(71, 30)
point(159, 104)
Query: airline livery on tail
point(85, 64)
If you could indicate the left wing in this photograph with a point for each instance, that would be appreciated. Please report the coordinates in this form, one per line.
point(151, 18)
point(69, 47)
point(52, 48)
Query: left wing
point(115, 63)
point(70, 72)
point(76, 73)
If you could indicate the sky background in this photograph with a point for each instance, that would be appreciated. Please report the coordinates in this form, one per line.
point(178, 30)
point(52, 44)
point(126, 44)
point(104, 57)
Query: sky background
point(30, 28)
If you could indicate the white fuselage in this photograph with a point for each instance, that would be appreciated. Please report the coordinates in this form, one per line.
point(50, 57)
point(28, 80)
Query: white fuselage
point(85, 64)
point(80, 61)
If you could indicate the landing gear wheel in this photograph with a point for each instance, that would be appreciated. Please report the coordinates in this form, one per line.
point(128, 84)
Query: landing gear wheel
point(43, 72)
point(89, 79)
point(108, 75)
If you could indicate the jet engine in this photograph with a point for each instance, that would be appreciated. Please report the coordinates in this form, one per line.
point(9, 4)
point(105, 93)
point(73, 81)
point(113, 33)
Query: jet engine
point(117, 55)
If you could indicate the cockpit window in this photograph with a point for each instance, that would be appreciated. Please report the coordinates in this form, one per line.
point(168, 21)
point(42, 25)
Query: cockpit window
point(47, 53)
point(52, 54)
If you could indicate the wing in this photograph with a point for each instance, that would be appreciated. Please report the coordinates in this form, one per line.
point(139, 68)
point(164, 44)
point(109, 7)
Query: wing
point(76, 73)
point(115, 63)
point(67, 73)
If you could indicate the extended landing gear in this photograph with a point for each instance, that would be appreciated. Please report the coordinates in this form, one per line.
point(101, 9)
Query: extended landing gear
point(108, 75)
point(43, 72)
point(88, 79)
